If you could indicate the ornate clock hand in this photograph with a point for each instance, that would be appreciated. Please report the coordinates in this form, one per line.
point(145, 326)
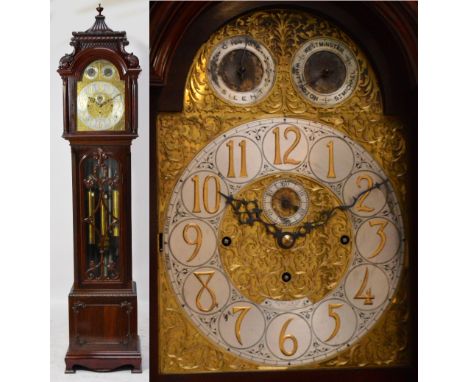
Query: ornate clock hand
point(248, 212)
point(241, 70)
point(109, 100)
point(308, 227)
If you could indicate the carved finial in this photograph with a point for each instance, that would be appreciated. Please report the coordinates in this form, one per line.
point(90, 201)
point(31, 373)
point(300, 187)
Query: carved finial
point(99, 25)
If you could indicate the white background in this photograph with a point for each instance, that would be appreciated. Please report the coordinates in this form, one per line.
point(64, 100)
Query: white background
point(67, 16)
point(28, 246)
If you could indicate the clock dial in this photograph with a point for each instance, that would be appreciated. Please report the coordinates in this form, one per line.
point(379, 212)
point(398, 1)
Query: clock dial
point(325, 71)
point(283, 241)
point(100, 98)
point(241, 70)
point(285, 202)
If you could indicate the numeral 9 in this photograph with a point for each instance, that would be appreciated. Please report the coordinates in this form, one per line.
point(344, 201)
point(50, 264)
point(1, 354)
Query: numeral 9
point(197, 241)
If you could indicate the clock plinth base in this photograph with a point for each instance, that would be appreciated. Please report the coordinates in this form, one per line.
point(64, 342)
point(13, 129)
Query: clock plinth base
point(103, 330)
point(103, 359)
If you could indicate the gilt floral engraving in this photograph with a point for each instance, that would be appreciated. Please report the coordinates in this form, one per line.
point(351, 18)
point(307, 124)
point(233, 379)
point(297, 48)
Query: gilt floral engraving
point(180, 136)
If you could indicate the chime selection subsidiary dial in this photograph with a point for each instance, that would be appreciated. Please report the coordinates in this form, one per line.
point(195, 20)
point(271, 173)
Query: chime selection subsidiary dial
point(241, 70)
point(325, 71)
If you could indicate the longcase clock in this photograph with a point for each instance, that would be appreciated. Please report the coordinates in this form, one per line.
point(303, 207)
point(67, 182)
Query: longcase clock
point(100, 122)
point(281, 207)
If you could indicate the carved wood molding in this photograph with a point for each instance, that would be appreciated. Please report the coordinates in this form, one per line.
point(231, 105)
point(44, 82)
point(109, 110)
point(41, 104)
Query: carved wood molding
point(99, 35)
point(402, 17)
point(169, 22)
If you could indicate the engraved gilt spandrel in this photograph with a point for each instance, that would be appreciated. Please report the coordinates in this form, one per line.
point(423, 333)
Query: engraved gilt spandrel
point(181, 136)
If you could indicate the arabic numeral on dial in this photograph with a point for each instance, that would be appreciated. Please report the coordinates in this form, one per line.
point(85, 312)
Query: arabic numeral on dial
point(243, 161)
point(197, 242)
point(360, 206)
point(206, 288)
point(336, 317)
point(331, 160)
point(285, 159)
point(363, 293)
point(243, 312)
point(283, 337)
point(381, 232)
point(212, 209)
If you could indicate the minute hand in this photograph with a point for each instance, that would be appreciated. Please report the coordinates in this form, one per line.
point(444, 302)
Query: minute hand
point(109, 100)
point(308, 227)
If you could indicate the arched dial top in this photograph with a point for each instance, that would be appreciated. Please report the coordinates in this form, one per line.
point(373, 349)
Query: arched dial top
point(283, 241)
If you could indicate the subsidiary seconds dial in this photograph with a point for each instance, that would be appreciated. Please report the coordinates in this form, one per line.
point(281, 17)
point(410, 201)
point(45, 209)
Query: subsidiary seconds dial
point(285, 202)
point(241, 70)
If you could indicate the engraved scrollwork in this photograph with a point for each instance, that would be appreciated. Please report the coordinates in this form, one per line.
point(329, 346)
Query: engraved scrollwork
point(316, 262)
point(187, 350)
point(205, 116)
point(387, 342)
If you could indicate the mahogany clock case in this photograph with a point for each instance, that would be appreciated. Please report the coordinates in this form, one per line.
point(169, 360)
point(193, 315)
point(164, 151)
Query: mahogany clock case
point(387, 33)
point(103, 319)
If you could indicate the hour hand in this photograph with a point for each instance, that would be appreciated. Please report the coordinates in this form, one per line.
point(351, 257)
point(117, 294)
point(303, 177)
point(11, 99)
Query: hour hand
point(247, 211)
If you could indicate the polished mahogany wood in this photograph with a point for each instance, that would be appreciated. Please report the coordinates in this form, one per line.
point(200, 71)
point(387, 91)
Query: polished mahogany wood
point(387, 32)
point(103, 334)
point(103, 330)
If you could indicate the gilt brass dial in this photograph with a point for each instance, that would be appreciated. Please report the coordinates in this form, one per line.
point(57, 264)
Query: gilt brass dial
point(217, 161)
point(100, 98)
point(275, 256)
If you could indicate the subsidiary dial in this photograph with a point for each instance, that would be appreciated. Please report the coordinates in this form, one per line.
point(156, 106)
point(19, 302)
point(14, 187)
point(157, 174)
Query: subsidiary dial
point(285, 202)
point(241, 70)
point(325, 71)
